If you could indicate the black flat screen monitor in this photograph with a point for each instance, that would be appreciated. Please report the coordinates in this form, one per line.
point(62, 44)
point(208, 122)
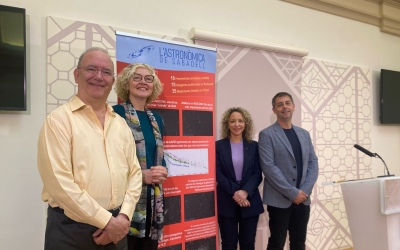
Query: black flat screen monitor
point(12, 58)
point(390, 97)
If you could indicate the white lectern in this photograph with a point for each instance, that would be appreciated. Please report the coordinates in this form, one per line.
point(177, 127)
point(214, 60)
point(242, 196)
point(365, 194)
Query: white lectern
point(373, 212)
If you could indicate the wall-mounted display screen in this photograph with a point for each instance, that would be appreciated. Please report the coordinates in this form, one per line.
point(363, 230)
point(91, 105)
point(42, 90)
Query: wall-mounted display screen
point(12, 58)
point(390, 97)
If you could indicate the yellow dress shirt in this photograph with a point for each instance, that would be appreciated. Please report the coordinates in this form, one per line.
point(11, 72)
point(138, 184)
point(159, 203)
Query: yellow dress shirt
point(87, 170)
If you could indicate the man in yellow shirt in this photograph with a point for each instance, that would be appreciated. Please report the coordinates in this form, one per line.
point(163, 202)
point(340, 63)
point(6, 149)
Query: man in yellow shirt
point(87, 161)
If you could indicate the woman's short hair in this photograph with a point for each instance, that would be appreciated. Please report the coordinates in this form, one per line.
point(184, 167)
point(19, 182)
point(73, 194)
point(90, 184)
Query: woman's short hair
point(249, 126)
point(122, 83)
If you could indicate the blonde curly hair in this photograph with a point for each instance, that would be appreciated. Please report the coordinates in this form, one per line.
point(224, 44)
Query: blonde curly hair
point(122, 83)
point(249, 126)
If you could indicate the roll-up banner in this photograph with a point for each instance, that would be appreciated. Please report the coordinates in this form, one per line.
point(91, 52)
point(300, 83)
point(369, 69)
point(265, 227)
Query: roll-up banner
point(187, 106)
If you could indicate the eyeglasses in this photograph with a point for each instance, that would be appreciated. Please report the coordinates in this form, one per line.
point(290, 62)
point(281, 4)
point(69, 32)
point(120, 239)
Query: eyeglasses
point(92, 71)
point(138, 78)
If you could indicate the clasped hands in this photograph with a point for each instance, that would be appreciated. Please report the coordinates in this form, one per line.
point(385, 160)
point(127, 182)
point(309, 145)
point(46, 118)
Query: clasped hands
point(116, 229)
point(240, 198)
point(154, 175)
point(301, 197)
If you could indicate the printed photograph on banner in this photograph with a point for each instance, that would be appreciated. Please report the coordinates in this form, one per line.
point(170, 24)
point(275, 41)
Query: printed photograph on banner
point(186, 161)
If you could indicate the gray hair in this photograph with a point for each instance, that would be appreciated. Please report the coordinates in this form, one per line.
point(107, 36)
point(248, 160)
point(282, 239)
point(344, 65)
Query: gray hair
point(92, 49)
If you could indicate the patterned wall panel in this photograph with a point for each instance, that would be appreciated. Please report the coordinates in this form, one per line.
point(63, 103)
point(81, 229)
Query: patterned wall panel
point(249, 78)
point(66, 40)
point(336, 111)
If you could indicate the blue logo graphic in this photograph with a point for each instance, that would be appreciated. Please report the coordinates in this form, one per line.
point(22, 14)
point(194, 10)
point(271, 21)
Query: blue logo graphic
point(140, 52)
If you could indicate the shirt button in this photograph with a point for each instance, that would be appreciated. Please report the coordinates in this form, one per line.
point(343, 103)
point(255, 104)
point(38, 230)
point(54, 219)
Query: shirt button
point(294, 179)
point(294, 166)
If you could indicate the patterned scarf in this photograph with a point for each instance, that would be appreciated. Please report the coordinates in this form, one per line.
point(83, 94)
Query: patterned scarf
point(138, 223)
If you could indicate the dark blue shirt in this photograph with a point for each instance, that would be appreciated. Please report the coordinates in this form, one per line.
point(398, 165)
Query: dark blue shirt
point(296, 147)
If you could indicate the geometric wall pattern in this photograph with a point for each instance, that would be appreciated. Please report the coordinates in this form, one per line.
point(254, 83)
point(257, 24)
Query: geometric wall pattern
point(250, 77)
point(66, 40)
point(333, 102)
point(336, 110)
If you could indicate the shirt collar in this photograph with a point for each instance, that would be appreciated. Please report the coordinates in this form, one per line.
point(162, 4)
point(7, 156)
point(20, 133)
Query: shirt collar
point(77, 103)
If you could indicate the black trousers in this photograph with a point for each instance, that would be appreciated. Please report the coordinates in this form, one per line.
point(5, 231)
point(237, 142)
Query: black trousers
point(230, 236)
point(293, 219)
point(146, 243)
point(62, 233)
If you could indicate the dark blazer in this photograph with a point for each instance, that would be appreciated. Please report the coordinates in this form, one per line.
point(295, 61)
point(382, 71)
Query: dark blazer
point(226, 178)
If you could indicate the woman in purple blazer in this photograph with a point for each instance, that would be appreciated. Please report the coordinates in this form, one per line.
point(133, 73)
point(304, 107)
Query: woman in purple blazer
point(238, 176)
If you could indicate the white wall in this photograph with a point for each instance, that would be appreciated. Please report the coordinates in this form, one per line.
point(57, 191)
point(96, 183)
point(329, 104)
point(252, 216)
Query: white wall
point(330, 38)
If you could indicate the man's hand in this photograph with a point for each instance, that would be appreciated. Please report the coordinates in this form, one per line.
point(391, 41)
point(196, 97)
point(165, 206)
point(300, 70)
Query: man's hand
point(154, 175)
point(301, 197)
point(101, 237)
point(117, 228)
point(240, 196)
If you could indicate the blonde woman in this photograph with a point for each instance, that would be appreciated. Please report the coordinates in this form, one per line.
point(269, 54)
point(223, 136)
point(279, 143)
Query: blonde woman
point(238, 177)
point(138, 85)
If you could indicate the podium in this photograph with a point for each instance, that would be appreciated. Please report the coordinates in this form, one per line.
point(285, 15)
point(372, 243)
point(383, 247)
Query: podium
point(373, 212)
